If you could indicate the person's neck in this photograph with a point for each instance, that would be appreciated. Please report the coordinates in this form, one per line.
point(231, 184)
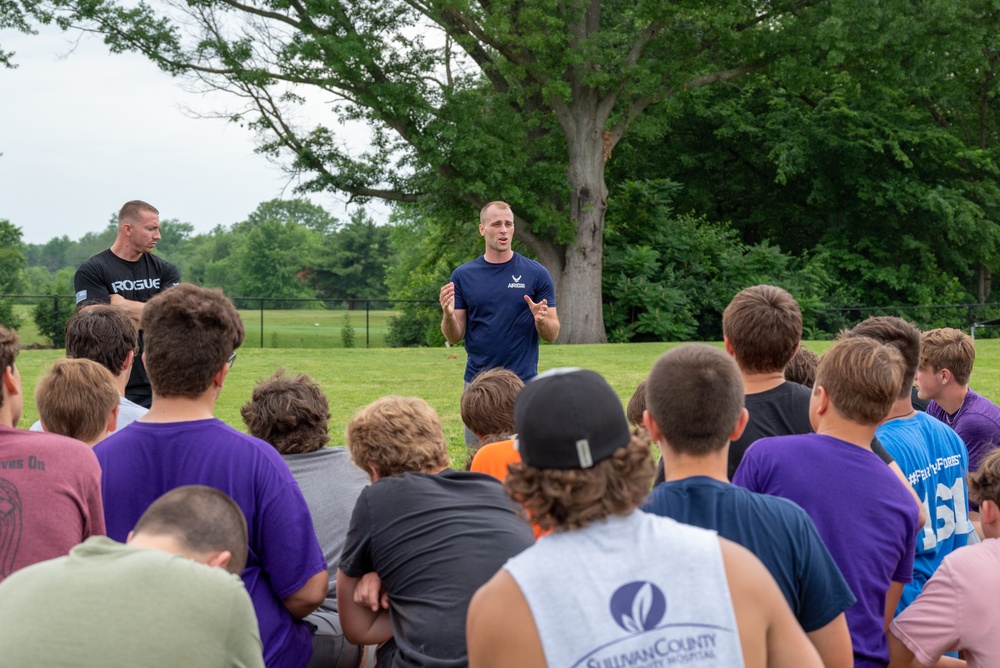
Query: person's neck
point(493, 257)
point(834, 425)
point(755, 383)
point(952, 398)
point(7, 416)
point(121, 380)
point(122, 249)
point(679, 466)
point(902, 409)
point(180, 409)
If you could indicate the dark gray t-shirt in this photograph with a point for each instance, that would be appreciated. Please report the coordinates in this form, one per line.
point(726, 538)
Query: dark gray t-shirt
point(433, 540)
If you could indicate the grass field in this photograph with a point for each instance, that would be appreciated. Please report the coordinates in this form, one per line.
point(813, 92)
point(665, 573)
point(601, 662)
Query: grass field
point(355, 377)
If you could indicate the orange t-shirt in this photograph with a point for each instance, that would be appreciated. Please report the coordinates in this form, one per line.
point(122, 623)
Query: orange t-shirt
point(493, 459)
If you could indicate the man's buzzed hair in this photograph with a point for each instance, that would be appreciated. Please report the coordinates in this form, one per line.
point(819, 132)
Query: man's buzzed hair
point(75, 399)
point(498, 204)
point(898, 333)
point(764, 326)
point(695, 395)
point(190, 332)
point(131, 210)
point(103, 333)
point(202, 519)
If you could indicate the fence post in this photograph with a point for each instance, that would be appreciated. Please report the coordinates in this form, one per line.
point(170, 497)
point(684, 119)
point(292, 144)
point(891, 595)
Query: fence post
point(261, 323)
point(56, 334)
point(368, 328)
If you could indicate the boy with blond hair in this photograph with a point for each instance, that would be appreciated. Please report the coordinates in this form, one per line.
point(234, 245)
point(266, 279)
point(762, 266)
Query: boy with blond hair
point(78, 398)
point(946, 359)
point(431, 535)
point(837, 479)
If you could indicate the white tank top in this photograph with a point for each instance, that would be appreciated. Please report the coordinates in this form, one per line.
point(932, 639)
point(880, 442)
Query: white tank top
point(640, 591)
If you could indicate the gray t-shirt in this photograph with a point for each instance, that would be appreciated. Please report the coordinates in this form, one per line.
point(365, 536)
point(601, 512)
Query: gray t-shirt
point(331, 484)
point(128, 412)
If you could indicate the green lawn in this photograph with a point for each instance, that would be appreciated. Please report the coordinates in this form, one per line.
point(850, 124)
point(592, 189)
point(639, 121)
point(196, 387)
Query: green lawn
point(353, 378)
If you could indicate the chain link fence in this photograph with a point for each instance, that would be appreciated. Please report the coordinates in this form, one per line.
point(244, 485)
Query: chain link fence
point(365, 323)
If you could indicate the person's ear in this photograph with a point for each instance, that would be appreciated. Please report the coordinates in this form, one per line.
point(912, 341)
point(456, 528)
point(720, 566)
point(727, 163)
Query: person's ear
point(728, 345)
point(128, 538)
point(822, 399)
point(652, 427)
point(10, 384)
point(373, 473)
point(946, 376)
point(129, 361)
point(220, 376)
point(112, 424)
point(219, 559)
point(741, 424)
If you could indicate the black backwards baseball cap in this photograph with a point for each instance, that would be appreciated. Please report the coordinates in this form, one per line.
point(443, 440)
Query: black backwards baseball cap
point(569, 418)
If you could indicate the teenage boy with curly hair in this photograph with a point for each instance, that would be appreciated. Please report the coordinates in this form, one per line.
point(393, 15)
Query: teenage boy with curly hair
point(611, 581)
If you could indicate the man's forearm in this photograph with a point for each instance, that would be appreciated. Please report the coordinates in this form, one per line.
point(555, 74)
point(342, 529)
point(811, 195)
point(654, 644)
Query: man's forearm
point(132, 308)
point(548, 329)
point(453, 331)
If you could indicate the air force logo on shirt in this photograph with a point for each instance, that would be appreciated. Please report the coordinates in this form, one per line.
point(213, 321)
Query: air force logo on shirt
point(517, 282)
point(638, 608)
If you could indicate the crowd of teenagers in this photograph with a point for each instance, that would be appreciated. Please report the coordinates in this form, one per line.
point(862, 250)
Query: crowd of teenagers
point(827, 522)
point(805, 511)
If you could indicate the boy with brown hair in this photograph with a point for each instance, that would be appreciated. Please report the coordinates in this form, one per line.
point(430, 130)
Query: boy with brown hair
point(455, 530)
point(930, 454)
point(191, 336)
point(106, 335)
point(50, 490)
point(79, 399)
point(488, 411)
point(611, 583)
point(701, 381)
point(836, 478)
point(957, 608)
point(946, 359)
point(291, 413)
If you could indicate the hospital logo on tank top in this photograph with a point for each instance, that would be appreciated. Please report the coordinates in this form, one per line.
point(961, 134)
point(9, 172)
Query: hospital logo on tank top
point(638, 608)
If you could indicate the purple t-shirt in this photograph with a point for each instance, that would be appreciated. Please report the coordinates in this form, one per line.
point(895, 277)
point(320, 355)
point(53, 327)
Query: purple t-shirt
point(977, 422)
point(147, 460)
point(862, 511)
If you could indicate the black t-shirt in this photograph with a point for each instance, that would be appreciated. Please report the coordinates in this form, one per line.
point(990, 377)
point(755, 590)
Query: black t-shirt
point(106, 274)
point(433, 540)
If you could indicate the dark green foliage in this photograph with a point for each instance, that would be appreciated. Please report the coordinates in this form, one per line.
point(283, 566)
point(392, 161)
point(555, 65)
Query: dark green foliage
point(12, 262)
point(669, 276)
point(50, 314)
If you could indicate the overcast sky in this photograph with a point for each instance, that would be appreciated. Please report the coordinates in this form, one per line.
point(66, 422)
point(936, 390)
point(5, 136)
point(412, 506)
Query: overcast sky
point(82, 131)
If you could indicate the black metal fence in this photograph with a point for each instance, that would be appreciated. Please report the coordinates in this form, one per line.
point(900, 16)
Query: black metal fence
point(365, 323)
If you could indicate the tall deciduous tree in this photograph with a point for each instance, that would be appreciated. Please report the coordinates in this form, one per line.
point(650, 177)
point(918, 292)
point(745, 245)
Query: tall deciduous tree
point(468, 100)
point(11, 265)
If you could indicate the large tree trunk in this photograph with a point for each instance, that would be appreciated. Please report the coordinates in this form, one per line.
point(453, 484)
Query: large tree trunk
point(577, 273)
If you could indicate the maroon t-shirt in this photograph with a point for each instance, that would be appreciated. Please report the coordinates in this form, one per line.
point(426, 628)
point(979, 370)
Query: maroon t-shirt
point(50, 497)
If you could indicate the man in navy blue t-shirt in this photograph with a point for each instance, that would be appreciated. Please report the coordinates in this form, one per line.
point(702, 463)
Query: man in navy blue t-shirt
point(500, 303)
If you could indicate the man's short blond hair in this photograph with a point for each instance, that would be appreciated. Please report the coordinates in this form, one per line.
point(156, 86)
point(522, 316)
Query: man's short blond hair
point(498, 204)
point(862, 377)
point(75, 398)
point(395, 435)
point(948, 348)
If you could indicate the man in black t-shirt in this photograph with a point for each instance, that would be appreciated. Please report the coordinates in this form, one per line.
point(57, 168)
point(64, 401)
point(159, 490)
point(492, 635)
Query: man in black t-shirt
point(426, 535)
point(127, 275)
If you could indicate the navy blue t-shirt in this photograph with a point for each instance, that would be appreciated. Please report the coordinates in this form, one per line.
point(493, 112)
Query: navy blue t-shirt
point(499, 328)
point(776, 530)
